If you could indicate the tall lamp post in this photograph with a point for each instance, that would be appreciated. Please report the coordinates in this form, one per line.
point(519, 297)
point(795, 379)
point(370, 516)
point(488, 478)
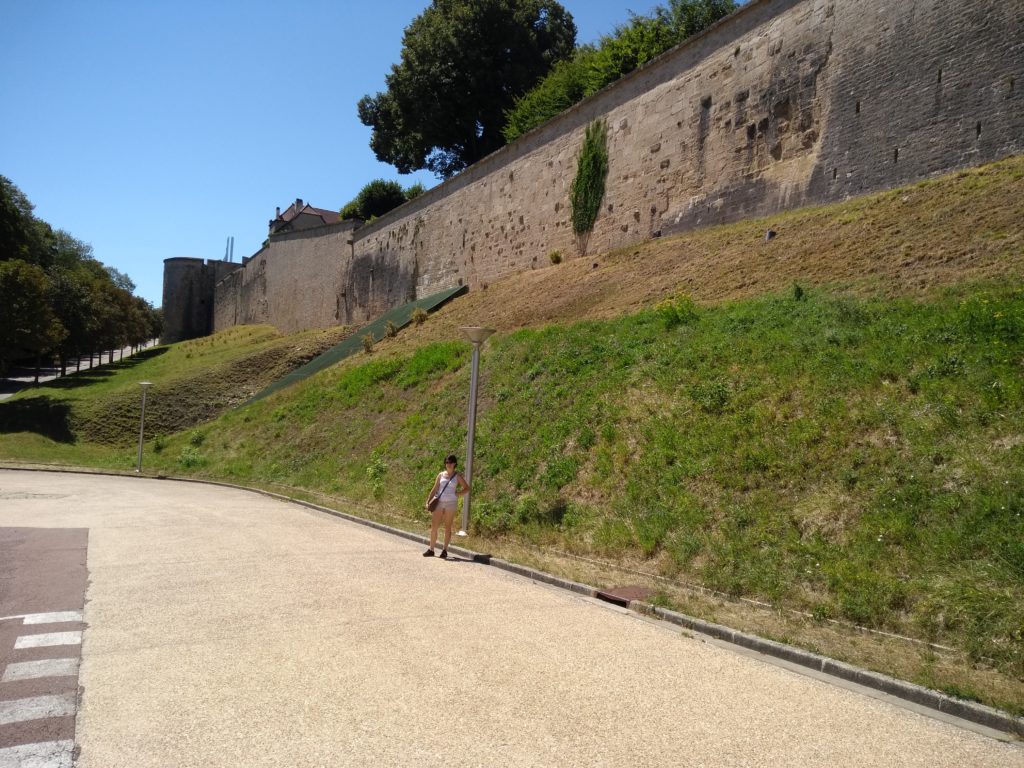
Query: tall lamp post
point(142, 421)
point(477, 336)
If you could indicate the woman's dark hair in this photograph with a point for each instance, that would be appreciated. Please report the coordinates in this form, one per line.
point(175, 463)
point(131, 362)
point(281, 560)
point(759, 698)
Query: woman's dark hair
point(452, 460)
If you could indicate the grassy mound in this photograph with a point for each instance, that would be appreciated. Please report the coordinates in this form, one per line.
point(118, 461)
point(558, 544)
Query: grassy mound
point(193, 382)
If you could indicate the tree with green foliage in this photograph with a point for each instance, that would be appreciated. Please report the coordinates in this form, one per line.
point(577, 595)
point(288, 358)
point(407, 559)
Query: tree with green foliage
point(28, 325)
point(463, 64)
point(414, 190)
point(592, 68)
point(591, 172)
point(567, 83)
point(22, 235)
point(377, 198)
point(57, 299)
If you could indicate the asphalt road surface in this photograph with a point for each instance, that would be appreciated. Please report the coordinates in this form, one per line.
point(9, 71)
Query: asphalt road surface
point(225, 628)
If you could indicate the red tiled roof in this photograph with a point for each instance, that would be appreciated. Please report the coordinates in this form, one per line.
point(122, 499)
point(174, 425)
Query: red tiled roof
point(299, 207)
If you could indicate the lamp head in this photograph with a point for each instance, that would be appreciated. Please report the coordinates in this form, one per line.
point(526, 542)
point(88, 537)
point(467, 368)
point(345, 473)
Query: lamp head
point(476, 334)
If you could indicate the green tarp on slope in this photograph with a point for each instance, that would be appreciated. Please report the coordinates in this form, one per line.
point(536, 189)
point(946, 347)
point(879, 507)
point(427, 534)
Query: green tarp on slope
point(400, 316)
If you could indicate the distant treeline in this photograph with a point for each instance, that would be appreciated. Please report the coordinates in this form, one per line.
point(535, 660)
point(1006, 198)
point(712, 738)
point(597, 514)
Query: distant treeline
point(57, 301)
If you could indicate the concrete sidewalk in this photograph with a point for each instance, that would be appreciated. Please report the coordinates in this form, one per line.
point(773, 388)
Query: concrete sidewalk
point(225, 628)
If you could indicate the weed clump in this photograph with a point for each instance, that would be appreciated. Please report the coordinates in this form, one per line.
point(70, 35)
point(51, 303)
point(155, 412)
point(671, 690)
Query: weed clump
point(375, 472)
point(190, 458)
point(678, 311)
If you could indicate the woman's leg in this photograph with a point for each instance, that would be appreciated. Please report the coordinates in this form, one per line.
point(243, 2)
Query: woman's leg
point(449, 516)
point(436, 516)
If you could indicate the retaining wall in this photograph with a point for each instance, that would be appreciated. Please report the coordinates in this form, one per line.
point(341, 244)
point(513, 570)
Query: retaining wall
point(783, 104)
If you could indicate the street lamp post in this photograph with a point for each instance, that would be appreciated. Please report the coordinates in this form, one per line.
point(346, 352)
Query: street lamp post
point(477, 336)
point(142, 421)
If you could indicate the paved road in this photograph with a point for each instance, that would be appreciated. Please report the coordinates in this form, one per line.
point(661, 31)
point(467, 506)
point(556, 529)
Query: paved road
point(42, 595)
point(24, 378)
point(224, 628)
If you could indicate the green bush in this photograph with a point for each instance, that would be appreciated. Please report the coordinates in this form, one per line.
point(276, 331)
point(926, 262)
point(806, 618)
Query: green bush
point(591, 67)
point(419, 316)
point(676, 312)
point(190, 458)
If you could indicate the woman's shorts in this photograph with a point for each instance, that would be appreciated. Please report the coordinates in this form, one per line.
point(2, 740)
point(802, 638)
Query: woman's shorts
point(447, 506)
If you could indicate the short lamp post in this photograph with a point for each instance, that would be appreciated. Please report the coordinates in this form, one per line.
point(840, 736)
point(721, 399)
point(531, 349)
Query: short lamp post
point(142, 421)
point(477, 336)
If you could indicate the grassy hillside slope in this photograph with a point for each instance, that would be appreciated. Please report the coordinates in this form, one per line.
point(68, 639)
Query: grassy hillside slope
point(829, 424)
point(194, 381)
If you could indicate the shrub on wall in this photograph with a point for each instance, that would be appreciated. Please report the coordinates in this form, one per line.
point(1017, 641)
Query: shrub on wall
point(591, 170)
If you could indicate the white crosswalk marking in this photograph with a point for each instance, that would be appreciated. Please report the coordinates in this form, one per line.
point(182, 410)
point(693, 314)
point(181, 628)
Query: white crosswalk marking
point(29, 670)
point(52, 618)
point(52, 638)
point(45, 754)
point(36, 708)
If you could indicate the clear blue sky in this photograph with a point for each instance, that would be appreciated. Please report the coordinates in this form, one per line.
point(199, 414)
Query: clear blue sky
point(158, 128)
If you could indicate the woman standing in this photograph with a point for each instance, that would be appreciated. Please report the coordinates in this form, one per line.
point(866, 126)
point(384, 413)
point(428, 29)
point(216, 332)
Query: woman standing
point(448, 486)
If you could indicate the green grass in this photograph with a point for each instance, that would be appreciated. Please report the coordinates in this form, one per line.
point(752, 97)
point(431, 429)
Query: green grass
point(862, 460)
point(192, 383)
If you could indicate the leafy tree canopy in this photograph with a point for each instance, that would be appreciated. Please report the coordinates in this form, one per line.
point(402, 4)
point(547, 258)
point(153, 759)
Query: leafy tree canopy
point(464, 62)
point(377, 198)
point(22, 235)
point(55, 298)
point(28, 325)
point(591, 68)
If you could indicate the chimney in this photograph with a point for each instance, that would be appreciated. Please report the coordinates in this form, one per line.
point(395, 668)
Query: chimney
point(278, 216)
point(298, 204)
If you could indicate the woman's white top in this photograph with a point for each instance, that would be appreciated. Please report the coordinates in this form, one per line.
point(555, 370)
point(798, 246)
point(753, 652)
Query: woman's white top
point(448, 494)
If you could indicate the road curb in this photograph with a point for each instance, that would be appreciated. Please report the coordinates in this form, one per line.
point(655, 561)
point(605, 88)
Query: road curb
point(916, 694)
point(926, 697)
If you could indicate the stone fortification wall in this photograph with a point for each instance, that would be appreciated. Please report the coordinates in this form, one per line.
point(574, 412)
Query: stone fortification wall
point(307, 279)
point(785, 103)
point(188, 296)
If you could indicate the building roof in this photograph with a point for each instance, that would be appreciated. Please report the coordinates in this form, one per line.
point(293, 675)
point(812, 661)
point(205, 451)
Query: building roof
point(299, 208)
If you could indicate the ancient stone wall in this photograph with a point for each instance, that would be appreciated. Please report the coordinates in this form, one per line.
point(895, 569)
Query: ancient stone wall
point(308, 279)
point(785, 103)
point(188, 296)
